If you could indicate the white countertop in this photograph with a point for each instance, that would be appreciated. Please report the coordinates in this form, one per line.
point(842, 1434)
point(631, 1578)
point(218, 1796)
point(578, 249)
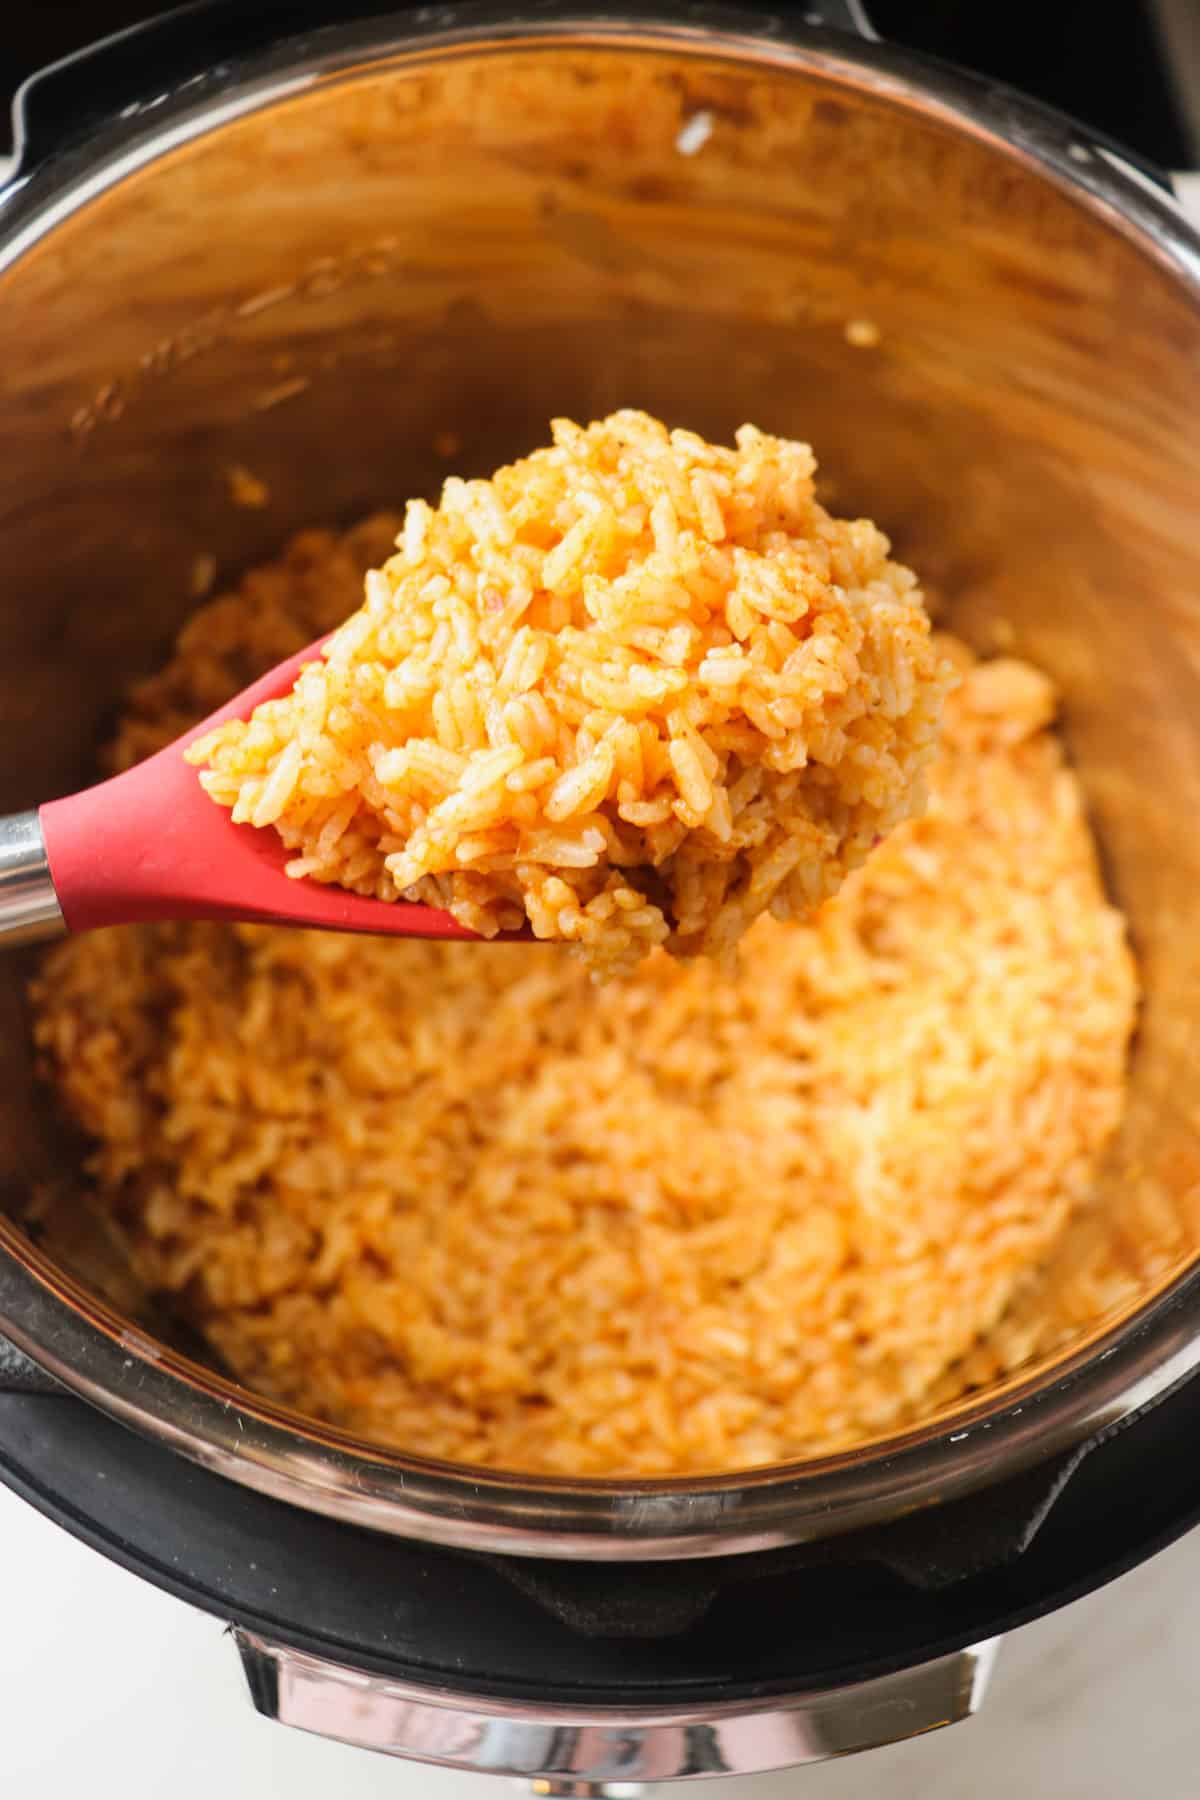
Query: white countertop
point(108, 1687)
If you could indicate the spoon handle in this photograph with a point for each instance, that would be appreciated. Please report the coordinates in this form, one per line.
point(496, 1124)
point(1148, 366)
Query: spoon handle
point(148, 844)
point(29, 908)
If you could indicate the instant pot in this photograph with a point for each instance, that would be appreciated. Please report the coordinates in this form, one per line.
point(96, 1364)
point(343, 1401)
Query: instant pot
point(310, 248)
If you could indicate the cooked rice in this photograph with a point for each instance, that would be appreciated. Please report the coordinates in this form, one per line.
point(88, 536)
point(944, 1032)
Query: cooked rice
point(636, 689)
point(462, 1201)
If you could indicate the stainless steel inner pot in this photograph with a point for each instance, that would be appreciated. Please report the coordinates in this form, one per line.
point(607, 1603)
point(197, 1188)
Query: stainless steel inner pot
point(313, 260)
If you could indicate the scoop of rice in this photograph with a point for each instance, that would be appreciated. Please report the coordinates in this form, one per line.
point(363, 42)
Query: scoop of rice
point(636, 689)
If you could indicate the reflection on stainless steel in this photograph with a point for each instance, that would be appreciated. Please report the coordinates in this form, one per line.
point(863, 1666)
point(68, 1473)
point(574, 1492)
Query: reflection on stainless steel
point(558, 1748)
point(1187, 192)
point(1032, 405)
point(29, 909)
point(587, 1790)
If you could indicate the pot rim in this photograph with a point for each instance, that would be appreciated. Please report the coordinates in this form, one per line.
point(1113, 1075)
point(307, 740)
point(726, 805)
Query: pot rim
point(1124, 1366)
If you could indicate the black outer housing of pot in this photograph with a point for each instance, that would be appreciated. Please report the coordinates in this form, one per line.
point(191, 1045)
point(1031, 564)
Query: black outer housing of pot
point(681, 1635)
point(684, 1634)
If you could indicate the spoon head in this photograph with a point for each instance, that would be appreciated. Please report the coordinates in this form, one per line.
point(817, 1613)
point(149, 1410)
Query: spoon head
point(150, 844)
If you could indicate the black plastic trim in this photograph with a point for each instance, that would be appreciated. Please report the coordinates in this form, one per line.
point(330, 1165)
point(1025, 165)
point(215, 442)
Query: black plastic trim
point(450, 1620)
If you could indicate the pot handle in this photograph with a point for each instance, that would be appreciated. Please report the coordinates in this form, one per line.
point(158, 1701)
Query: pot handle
point(192, 51)
point(119, 76)
point(581, 1750)
point(842, 15)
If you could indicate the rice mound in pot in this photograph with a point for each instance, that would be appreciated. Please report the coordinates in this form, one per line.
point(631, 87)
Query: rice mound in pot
point(459, 1199)
point(636, 688)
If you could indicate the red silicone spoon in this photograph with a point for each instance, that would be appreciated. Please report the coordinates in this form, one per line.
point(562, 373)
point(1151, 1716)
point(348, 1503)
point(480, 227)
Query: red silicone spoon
point(150, 844)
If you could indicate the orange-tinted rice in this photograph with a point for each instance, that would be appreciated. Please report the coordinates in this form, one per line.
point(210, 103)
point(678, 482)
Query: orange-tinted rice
point(458, 1199)
point(637, 688)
